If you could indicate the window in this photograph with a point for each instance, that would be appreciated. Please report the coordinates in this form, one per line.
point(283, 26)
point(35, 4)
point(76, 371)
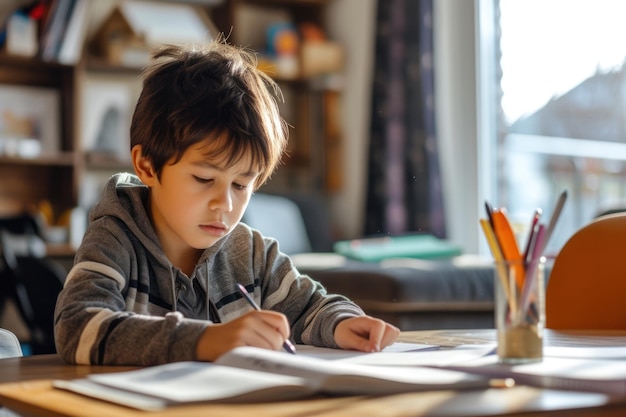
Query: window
point(556, 105)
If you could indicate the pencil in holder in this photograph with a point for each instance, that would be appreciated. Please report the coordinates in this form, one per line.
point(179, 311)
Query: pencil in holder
point(519, 310)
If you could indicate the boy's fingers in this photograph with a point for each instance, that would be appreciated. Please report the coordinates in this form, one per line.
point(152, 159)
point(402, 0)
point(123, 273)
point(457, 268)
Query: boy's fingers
point(376, 332)
point(272, 326)
point(367, 334)
point(390, 335)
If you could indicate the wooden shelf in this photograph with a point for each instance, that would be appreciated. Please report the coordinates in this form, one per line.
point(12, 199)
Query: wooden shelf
point(60, 159)
point(32, 62)
point(95, 161)
point(97, 64)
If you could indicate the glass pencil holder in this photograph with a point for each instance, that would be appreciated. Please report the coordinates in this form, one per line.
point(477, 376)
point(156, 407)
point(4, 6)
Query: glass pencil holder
point(520, 310)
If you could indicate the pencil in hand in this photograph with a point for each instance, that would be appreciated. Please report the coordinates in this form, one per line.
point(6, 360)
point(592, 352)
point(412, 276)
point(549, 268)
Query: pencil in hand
point(287, 345)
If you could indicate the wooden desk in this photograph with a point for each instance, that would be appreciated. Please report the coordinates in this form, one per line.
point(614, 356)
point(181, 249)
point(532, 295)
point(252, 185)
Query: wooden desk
point(25, 386)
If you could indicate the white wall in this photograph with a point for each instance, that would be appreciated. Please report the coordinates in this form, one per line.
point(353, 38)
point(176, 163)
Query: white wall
point(456, 102)
point(351, 22)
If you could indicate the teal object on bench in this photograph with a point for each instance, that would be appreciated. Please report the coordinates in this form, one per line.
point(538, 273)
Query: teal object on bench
point(420, 246)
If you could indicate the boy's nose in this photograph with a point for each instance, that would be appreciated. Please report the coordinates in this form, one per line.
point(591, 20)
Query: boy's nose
point(222, 201)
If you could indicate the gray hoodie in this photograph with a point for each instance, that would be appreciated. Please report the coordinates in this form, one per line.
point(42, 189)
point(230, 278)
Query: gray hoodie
point(124, 303)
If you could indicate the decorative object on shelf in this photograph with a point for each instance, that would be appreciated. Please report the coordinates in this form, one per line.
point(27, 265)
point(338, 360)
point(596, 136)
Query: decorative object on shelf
point(283, 45)
point(21, 35)
point(118, 43)
point(19, 32)
point(135, 27)
point(318, 55)
point(300, 51)
point(163, 22)
point(29, 121)
point(106, 120)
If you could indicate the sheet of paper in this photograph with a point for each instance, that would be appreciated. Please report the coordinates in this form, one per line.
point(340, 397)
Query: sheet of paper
point(196, 381)
point(403, 354)
point(334, 354)
point(595, 352)
point(338, 377)
point(440, 357)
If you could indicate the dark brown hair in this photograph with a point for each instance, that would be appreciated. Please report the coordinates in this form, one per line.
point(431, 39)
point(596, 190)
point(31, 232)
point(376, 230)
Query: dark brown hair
point(197, 93)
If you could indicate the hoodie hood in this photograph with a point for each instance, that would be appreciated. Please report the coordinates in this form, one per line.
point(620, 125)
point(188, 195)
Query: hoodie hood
point(125, 198)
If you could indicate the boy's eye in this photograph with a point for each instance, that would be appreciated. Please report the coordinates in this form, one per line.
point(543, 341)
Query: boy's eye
point(202, 180)
point(240, 186)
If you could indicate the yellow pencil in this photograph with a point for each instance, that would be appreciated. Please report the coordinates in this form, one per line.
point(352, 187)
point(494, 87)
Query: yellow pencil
point(499, 258)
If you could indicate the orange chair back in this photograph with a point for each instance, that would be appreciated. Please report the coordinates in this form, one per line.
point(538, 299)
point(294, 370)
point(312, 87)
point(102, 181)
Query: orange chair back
point(587, 285)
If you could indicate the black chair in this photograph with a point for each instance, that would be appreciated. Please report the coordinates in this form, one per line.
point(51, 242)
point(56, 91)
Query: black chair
point(30, 279)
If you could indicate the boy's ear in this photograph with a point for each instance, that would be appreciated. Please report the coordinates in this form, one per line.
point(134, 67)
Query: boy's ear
point(143, 166)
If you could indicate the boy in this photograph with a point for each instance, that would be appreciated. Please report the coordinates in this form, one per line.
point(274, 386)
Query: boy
point(154, 279)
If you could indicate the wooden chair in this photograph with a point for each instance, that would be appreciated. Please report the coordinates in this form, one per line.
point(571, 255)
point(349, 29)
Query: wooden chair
point(587, 285)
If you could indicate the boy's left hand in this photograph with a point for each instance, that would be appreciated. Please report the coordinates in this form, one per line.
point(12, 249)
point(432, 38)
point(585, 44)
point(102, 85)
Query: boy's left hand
point(365, 333)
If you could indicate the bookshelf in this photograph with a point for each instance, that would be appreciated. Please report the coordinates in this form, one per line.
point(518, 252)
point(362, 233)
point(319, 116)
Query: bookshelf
point(49, 174)
point(67, 173)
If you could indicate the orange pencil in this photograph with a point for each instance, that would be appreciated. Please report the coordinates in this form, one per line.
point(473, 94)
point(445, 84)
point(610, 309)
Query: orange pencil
point(508, 244)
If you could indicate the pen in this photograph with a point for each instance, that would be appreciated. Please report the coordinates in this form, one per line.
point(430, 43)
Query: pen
point(532, 234)
point(531, 276)
point(555, 216)
point(288, 346)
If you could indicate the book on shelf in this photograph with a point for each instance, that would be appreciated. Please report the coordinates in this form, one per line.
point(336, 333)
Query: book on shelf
point(71, 46)
point(54, 28)
point(249, 374)
point(65, 31)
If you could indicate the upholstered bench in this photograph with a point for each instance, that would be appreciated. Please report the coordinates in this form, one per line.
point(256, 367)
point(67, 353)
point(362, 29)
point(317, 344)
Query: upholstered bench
point(412, 294)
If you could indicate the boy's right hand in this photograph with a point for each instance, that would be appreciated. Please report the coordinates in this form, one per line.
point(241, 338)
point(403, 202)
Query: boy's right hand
point(264, 329)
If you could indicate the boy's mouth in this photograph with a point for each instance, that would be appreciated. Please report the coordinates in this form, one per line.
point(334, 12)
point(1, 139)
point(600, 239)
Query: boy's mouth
point(214, 228)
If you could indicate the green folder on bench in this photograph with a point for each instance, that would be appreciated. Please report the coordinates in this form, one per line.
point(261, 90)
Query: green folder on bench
point(421, 246)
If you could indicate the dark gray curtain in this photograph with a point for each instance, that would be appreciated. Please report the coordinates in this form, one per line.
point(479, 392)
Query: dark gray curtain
point(404, 182)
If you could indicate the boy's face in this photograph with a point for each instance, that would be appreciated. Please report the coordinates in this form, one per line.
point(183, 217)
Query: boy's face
point(199, 200)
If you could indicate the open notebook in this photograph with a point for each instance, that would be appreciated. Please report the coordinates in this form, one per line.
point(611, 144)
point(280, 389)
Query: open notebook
point(249, 374)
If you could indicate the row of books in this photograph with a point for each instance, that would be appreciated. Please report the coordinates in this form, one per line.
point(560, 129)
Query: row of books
point(64, 30)
point(51, 30)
